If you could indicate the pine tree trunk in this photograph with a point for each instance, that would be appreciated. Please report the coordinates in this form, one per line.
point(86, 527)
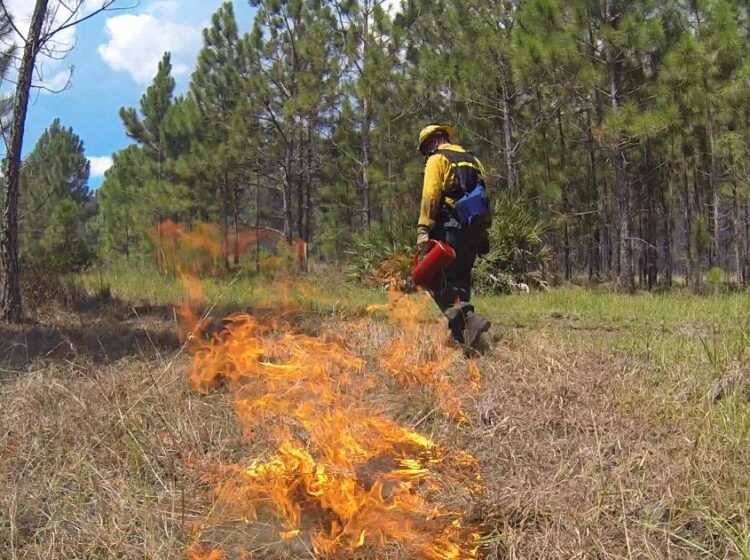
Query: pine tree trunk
point(287, 193)
point(652, 267)
point(510, 164)
point(688, 226)
point(650, 183)
point(366, 125)
point(737, 243)
point(622, 181)
point(225, 219)
point(301, 191)
point(713, 181)
point(236, 219)
point(257, 224)
point(10, 290)
point(698, 248)
point(669, 235)
point(308, 187)
point(366, 121)
point(566, 202)
point(600, 224)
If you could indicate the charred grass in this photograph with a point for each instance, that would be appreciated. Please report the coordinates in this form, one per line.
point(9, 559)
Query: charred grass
point(592, 426)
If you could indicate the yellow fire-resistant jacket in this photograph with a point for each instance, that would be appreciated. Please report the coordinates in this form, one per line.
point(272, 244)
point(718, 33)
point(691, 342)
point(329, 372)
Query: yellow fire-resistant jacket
point(438, 179)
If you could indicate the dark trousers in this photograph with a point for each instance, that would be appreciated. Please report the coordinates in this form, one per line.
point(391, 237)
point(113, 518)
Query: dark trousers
point(453, 287)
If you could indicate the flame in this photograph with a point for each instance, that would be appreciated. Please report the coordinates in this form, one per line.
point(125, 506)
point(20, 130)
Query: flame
point(339, 474)
point(200, 552)
point(421, 355)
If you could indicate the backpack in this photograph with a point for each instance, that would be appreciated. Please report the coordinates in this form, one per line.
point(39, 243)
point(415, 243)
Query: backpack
point(472, 201)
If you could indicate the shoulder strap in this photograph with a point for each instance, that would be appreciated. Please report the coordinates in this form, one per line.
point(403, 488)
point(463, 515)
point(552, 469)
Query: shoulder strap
point(460, 159)
point(466, 168)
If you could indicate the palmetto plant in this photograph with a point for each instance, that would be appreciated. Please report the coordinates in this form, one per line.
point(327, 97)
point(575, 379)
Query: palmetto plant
point(384, 245)
point(517, 245)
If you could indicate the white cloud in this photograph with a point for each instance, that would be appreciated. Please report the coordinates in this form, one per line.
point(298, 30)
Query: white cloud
point(48, 72)
point(60, 12)
point(138, 41)
point(99, 165)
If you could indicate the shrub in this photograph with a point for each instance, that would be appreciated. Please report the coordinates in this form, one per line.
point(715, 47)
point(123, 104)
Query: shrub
point(716, 279)
point(383, 256)
point(518, 252)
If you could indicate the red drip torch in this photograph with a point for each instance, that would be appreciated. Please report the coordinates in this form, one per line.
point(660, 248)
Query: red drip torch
point(436, 261)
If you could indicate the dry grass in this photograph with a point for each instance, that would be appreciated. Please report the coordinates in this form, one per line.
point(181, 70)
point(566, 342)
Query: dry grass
point(593, 442)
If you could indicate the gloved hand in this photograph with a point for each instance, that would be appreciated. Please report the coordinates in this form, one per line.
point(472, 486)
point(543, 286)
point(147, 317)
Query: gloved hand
point(423, 241)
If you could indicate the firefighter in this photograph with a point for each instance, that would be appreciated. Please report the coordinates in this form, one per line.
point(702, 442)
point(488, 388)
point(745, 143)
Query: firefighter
point(454, 209)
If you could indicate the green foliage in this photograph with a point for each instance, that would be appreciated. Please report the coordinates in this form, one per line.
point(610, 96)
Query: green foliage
point(384, 245)
point(716, 278)
point(517, 246)
point(64, 241)
point(143, 187)
point(55, 203)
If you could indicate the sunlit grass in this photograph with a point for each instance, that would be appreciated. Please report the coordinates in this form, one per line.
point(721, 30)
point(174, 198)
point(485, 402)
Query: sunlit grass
point(611, 389)
point(328, 293)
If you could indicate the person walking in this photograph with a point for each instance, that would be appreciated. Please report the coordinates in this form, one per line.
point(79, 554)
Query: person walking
point(454, 209)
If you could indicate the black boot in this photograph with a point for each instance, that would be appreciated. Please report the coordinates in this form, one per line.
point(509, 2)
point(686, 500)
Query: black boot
point(456, 323)
point(476, 326)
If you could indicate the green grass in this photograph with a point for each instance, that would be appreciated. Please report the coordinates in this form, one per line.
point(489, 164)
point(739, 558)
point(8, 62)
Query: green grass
point(330, 293)
point(597, 309)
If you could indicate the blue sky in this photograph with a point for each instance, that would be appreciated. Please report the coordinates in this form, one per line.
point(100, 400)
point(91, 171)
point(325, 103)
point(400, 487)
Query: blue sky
point(114, 59)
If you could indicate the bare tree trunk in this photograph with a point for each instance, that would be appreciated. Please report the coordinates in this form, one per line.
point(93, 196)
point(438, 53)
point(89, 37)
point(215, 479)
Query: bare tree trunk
point(652, 253)
point(225, 218)
point(366, 122)
point(308, 186)
point(688, 225)
point(510, 164)
point(10, 291)
point(669, 234)
point(737, 242)
point(622, 181)
point(698, 241)
point(601, 265)
point(605, 249)
point(566, 203)
point(236, 218)
point(287, 193)
point(301, 190)
point(714, 180)
point(257, 224)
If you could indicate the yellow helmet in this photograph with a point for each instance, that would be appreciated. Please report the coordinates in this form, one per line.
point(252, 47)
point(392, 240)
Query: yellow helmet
point(433, 128)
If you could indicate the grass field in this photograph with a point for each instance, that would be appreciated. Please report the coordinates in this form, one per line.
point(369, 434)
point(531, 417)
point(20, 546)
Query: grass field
point(593, 424)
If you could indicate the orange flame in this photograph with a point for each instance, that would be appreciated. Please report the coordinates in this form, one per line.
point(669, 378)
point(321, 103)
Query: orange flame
point(342, 475)
point(200, 552)
point(421, 355)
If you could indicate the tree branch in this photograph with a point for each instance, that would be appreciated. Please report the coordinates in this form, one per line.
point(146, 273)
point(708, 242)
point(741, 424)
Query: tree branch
point(10, 20)
point(106, 7)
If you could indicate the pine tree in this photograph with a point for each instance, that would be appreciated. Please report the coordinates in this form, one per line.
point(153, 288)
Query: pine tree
point(145, 176)
point(54, 186)
point(216, 89)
